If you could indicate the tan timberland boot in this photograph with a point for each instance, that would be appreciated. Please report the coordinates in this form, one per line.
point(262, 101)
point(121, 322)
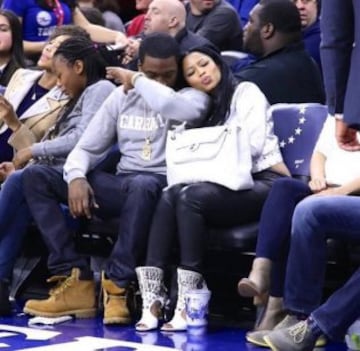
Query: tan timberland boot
point(115, 303)
point(71, 296)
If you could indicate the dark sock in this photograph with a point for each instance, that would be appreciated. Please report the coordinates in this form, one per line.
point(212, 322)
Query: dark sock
point(314, 328)
point(299, 316)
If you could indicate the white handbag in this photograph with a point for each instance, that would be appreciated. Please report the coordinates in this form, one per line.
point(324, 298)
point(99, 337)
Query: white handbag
point(218, 154)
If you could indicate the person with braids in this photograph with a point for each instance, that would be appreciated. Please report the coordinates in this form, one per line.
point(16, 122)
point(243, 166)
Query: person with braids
point(40, 17)
point(184, 211)
point(32, 101)
point(80, 70)
point(136, 116)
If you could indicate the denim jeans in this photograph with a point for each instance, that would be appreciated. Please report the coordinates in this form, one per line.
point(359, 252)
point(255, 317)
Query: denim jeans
point(275, 227)
point(131, 197)
point(340, 29)
point(14, 219)
point(316, 219)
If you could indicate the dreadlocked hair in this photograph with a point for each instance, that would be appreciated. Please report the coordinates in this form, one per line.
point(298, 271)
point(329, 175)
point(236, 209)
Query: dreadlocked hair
point(94, 57)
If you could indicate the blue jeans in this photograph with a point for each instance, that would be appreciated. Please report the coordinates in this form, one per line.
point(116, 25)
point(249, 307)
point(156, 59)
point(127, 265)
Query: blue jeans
point(14, 219)
point(340, 29)
point(131, 197)
point(316, 219)
point(275, 227)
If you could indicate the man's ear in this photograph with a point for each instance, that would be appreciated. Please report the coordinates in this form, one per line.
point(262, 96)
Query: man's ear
point(78, 67)
point(267, 31)
point(173, 22)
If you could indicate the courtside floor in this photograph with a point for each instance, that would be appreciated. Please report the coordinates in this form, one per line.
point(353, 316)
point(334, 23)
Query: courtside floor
point(90, 334)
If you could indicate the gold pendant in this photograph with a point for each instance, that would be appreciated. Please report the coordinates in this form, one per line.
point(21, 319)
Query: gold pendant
point(146, 150)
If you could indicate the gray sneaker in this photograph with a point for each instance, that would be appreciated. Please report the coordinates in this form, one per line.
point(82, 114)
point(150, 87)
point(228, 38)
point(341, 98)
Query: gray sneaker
point(296, 338)
point(257, 337)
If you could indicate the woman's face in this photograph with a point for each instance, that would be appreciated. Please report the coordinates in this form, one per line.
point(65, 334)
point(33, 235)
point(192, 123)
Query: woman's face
point(201, 72)
point(46, 59)
point(5, 36)
point(70, 77)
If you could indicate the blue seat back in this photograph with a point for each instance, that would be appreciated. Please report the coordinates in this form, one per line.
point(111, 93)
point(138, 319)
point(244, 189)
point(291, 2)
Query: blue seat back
point(298, 127)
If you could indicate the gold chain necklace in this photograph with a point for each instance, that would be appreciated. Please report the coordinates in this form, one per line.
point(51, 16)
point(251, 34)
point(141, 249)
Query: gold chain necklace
point(146, 151)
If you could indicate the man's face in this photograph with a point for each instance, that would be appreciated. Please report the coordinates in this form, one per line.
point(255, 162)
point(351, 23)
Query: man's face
point(308, 11)
point(252, 33)
point(156, 18)
point(203, 6)
point(163, 71)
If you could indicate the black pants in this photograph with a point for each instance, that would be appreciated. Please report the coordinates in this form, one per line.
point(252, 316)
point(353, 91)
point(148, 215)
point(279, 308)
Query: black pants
point(185, 211)
point(132, 197)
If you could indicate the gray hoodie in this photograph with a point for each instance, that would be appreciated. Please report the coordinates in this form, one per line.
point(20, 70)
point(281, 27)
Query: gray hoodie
point(137, 121)
point(63, 136)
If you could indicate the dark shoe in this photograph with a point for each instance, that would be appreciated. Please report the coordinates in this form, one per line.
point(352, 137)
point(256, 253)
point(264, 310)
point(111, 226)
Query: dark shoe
point(296, 338)
point(5, 306)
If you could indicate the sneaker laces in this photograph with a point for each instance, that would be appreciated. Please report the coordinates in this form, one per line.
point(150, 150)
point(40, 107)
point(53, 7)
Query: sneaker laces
point(298, 331)
point(285, 322)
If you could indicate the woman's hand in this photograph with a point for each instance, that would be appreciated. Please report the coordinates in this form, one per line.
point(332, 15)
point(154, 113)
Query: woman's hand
point(317, 184)
point(8, 115)
point(22, 157)
point(346, 137)
point(122, 76)
point(332, 191)
point(131, 51)
point(6, 168)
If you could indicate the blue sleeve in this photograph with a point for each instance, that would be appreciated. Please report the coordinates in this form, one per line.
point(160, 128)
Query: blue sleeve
point(19, 7)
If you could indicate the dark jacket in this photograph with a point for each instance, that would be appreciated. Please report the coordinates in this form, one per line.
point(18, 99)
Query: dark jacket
point(221, 25)
point(311, 37)
point(288, 75)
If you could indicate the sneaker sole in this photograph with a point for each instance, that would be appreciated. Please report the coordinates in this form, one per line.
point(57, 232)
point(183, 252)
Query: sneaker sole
point(256, 341)
point(247, 289)
point(321, 341)
point(117, 320)
point(269, 344)
point(89, 313)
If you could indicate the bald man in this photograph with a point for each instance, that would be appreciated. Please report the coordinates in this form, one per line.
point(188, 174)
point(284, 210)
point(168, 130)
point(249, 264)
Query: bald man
point(166, 16)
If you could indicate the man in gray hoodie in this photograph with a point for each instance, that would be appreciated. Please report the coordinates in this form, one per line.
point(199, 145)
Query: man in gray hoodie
point(138, 119)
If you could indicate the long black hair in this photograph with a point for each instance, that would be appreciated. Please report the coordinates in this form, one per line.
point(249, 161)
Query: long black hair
point(222, 94)
point(16, 51)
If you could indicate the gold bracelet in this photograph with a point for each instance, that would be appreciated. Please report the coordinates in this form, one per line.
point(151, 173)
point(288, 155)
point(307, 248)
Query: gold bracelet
point(135, 77)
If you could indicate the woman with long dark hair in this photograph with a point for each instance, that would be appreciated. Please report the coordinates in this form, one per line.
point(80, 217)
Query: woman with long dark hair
point(184, 211)
point(11, 48)
point(31, 101)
